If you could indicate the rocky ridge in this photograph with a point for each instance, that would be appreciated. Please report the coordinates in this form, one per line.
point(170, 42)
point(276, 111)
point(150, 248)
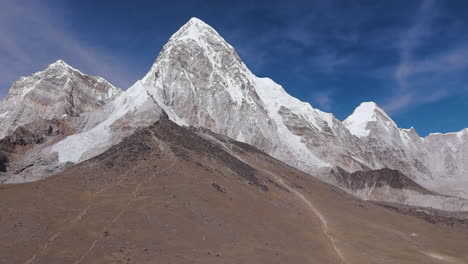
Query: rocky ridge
point(56, 92)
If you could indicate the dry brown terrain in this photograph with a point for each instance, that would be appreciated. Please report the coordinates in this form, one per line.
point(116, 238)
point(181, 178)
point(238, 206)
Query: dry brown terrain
point(169, 194)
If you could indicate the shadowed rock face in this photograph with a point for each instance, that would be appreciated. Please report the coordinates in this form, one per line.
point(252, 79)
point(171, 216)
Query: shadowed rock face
point(378, 179)
point(21, 149)
point(169, 194)
point(183, 140)
point(386, 185)
point(3, 161)
point(36, 132)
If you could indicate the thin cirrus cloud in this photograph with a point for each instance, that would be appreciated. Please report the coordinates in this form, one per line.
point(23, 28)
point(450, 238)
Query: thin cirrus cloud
point(33, 35)
point(424, 79)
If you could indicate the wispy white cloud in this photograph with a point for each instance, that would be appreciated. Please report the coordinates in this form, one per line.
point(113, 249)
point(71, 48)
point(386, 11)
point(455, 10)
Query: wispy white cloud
point(33, 35)
point(450, 60)
point(412, 38)
point(424, 79)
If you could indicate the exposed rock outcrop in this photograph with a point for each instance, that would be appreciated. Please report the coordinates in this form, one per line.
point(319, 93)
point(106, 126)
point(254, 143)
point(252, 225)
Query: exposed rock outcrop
point(386, 185)
point(55, 92)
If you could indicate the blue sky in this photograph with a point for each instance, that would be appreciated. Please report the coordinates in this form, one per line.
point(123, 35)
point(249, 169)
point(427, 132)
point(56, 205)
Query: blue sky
point(411, 57)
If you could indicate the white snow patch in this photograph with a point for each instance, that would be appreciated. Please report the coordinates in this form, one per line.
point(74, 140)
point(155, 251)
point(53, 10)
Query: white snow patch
point(3, 115)
point(72, 148)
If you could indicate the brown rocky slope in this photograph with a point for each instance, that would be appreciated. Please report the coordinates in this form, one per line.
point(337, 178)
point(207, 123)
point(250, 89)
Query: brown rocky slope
point(169, 194)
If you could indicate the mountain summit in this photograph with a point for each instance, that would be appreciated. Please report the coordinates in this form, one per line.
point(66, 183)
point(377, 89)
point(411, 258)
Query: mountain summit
point(52, 93)
point(364, 114)
point(199, 80)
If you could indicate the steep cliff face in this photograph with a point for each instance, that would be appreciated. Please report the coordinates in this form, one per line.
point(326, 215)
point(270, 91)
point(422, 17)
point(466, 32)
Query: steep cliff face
point(58, 91)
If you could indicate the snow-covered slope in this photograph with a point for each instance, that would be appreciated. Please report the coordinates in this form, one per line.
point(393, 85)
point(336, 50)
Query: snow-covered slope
point(106, 127)
point(57, 91)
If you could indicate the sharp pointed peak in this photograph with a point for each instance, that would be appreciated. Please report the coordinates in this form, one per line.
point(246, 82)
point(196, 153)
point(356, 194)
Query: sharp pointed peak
point(194, 24)
point(363, 114)
point(59, 63)
point(194, 29)
point(196, 21)
point(371, 107)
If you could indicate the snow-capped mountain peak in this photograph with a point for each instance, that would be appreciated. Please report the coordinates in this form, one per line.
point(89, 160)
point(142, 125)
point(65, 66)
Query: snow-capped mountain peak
point(197, 30)
point(52, 93)
point(60, 63)
point(358, 122)
point(199, 79)
point(195, 26)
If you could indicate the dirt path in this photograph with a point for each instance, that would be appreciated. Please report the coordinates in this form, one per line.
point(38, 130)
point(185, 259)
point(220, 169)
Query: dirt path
point(301, 197)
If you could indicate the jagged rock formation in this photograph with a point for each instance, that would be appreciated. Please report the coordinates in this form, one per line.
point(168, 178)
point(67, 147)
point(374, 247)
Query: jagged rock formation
point(58, 91)
point(438, 162)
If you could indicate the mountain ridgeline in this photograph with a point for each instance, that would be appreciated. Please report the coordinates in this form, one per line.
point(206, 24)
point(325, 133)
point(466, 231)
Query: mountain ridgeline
point(199, 80)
